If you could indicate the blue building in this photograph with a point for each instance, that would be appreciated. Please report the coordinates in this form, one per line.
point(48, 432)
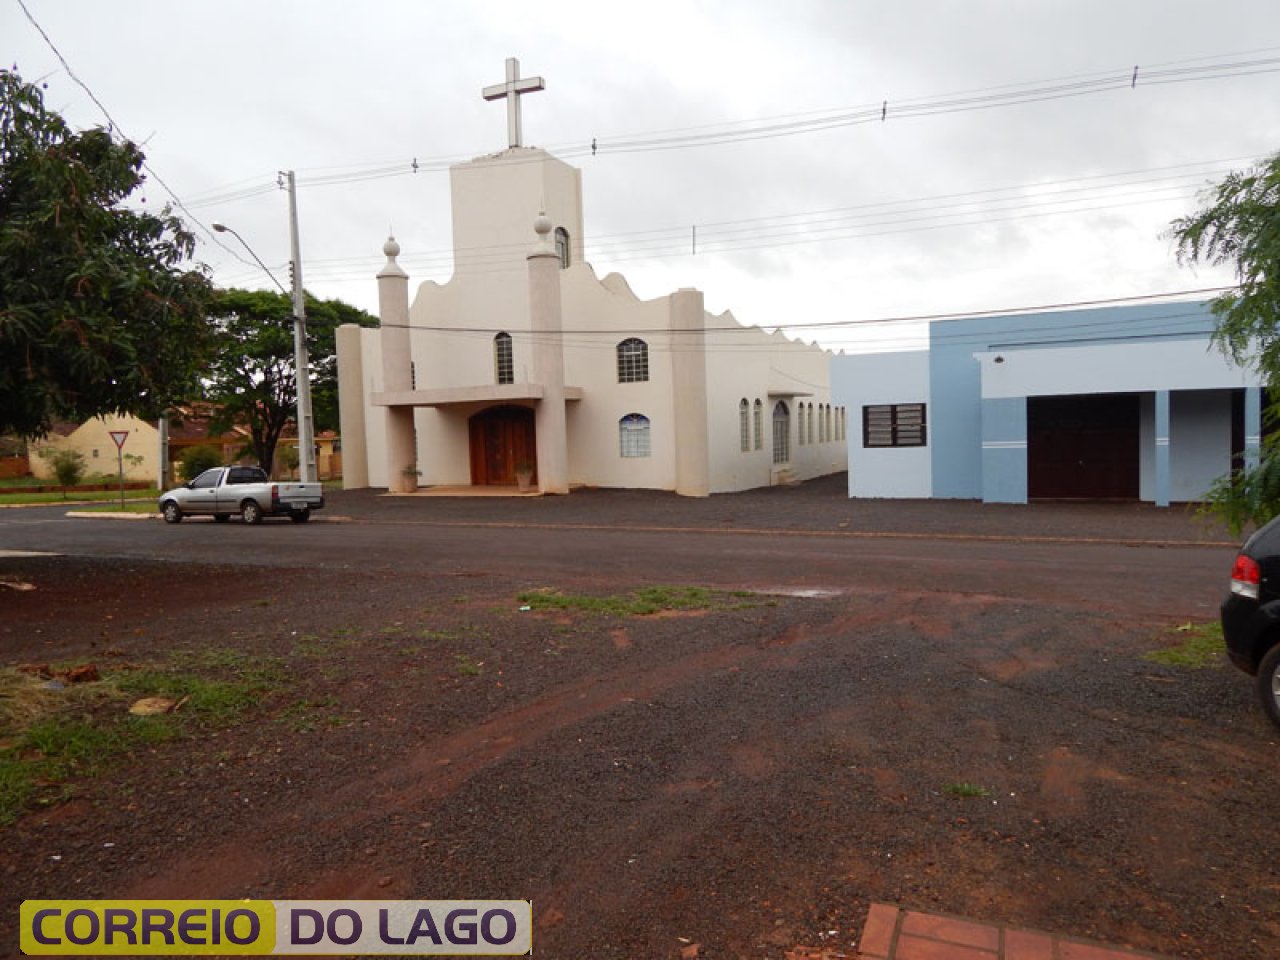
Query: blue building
point(1115, 403)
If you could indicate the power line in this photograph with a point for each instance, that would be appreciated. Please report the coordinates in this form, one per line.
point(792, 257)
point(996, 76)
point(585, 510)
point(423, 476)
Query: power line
point(106, 113)
point(1011, 312)
point(966, 208)
point(728, 132)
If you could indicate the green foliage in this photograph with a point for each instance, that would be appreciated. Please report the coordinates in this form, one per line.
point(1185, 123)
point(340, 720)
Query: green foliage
point(288, 457)
point(69, 466)
point(1240, 225)
point(1201, 646)
point(966, 790)
point(643, 602)
point(196, 460)
point(251, 375)
point(1250, 496)
point(97, 313)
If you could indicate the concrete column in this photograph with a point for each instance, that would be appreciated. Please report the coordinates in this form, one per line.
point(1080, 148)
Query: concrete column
point(397, 371)
point(1004, 450)
point(1163, 476)
point(351, 404)
point(548, 362)
point(1252, 426)
point(689, 387)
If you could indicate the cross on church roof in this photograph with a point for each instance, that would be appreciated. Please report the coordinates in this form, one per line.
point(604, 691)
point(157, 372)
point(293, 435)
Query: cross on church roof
point(511, 91)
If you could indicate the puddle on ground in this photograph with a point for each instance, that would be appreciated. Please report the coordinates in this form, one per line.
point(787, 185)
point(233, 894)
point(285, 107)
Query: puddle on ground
point(808, 593)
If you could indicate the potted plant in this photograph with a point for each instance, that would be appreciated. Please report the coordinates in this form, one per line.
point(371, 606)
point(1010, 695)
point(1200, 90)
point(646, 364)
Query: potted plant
point(524, 476)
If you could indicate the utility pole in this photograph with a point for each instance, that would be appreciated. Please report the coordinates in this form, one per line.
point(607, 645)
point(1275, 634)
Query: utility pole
point(302, 365)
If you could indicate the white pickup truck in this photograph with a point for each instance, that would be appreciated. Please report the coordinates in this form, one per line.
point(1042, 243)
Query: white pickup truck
point(248, 491)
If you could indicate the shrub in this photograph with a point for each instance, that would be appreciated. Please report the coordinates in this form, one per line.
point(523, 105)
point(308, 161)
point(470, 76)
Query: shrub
point(196, 460)
point(69, 466)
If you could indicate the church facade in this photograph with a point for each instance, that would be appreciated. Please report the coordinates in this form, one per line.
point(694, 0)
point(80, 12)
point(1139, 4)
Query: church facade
point(525, 366)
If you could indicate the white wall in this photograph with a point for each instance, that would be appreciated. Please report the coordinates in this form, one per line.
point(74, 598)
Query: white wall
point(1109, 368)
point(865, 379)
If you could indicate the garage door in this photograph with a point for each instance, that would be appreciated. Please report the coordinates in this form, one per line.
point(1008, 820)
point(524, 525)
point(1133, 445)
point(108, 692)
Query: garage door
point(1083, 447)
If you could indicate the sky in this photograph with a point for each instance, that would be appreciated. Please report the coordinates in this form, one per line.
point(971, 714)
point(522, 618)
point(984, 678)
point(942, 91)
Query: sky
point(846, 167)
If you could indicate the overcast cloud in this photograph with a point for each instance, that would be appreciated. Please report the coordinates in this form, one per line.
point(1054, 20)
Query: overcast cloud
point(956, 210)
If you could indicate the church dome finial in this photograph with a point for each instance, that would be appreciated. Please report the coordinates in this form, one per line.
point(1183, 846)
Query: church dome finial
point(391, 268)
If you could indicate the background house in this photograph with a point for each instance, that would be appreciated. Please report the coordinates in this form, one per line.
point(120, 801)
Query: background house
point(1122, 402)
point(92, 440)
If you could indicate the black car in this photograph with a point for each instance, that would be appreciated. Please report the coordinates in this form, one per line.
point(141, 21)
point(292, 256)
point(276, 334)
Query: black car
point(1251, 614)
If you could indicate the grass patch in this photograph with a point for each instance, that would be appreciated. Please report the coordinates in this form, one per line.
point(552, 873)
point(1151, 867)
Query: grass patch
point(638, 603)
point(1201, 645)
point(302, 715)
point(51, 734)
point(130, 506)
point(57, 496)
point(966, 790)
point(466, 665)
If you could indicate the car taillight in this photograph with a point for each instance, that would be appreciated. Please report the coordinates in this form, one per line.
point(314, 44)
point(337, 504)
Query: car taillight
point(1245, 577)
point(275, 502)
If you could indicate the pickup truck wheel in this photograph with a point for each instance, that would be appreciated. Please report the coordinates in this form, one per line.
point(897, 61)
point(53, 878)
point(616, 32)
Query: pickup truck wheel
point(172, 512)
point(300, 516)
point(1269, 683)
point(221, 517)
point(251, 512)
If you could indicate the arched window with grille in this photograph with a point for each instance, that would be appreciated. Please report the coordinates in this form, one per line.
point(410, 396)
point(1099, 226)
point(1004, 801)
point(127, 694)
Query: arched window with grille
point(802, 436)
point(562, 247)
point(633, 435)
point(781, 433)
point(744, 425)
point(503, 359)
point(633, 361)
point(757, 424)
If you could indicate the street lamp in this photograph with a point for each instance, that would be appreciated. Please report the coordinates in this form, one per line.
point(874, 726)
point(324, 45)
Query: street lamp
point(301, 364)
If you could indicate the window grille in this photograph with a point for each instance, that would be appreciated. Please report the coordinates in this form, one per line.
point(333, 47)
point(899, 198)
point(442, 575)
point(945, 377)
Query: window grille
point(781, 433)
point(562, 247)
point(757, 423)
point(894, 425)
point(633, 435)
point(503, 359)
point(744, 425)
point(633, 361)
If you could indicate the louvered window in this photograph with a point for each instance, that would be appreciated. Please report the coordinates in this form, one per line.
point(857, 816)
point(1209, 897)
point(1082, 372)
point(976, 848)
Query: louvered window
point(894, 425)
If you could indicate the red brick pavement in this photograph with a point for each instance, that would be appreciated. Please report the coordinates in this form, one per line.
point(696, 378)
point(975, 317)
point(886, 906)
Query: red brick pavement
point(895, 934)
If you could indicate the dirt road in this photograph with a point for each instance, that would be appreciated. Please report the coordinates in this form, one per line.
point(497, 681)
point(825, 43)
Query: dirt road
point(963, 725)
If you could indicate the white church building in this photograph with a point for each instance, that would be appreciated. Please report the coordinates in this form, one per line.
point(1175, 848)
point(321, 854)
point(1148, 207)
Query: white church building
point(525, 362)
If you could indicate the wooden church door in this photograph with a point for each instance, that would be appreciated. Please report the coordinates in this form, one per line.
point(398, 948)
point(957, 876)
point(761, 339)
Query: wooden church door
point(502, 439)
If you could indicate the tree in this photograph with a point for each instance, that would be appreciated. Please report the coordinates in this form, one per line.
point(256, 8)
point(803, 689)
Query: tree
point(1240, 225)
point(196, 460)
point(97, 313)
point(251, 373)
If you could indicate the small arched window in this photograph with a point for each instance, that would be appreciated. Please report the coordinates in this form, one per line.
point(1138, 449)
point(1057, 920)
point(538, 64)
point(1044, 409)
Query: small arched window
point(822, 423)
point(503, 360)
point(744, 425)
point(633, 361)
point(802, 437)
point(781, 433)
point(633, 435)
point(562, 247)
point(757, 423)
